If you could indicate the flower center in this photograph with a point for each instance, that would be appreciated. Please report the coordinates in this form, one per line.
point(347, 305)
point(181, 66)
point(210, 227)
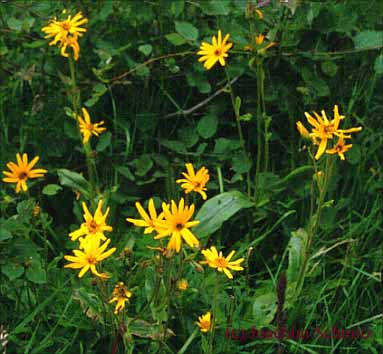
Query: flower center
point(91, 259)
point(205, 324)
point(179, 226)
point(218, 52)
point(197, 184)
point(92, 227)
point(23, 175)
point(66, 26)
point(89, 127)
point(221, 262)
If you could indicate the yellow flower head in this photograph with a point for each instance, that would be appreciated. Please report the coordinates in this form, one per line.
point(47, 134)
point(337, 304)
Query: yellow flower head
point(36, 209)
point(120, 295)
point(325, 129)
point(66, 33)
point(195, 181)
point(92, 254)
point(176, 223)
point(222, 264)
point(87, 128)
point(93, 226)
point(204, 322)
point(217, 51)
point(22, 171)
point(183, 284)
point(302, 130)
point(147, 221)
point(339, 148)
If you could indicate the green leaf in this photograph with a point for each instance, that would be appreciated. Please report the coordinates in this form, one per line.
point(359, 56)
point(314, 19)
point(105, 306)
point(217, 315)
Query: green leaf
point(207, 126)
point(186, 30)
point(264, 309)
point(215, 7)
point(219, 209)
point(378, 66)
point(368, 39)
point(297, 249)
point(247, 117)
point(237, 105)
point(174, 145)
point(145, 49)
point(12, 270)
point(354, 155)
point(36, 274)
point(175, 39)
point(98, 91)
point(142, 165)
point(104, 141)
point(51, 189)
point(329, 68)
point(125, 171)
point(4, 233)
point(73, 180)
point(14, 24)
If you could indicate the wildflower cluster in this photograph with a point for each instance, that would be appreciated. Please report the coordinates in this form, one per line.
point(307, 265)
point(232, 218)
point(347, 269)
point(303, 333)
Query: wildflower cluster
point(90, 235)
point(66, 33)
point(324, 130)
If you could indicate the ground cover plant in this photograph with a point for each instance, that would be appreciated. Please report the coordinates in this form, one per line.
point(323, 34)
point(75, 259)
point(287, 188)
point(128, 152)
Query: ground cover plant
point(191, 176)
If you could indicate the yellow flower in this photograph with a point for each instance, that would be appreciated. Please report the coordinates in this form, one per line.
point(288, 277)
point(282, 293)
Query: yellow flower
point(215, 260)
point(66, 33)
point(176, 223)
point(93, 225)
point(195, 181)
point(183, 284)
point(217, 51)
point(72, 43)
point(36, 209)
point(20, 172)
point(339, 148)
point(147, 221)
point(87, 128)
point(92, 254)
point(204, 322)
point(325, 129)
point(120, 295)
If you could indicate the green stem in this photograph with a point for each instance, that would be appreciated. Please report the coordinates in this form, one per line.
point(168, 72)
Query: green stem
point(213, 322)
point(315, 222)
point(240, 133)
point(74, 97)
point(188, 342)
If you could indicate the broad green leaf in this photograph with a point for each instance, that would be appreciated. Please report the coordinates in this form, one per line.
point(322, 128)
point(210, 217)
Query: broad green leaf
point(145, 49)
point(186, 30)
point(217, 210)
point(125, 171)
point(207, 126)
point(174, 145)
point(329, 68)
point(36, 274)
point(98, 91)
point(14, 24)
point(264, 309)
point(175, 39)
point(142, 165)
point(51, 189)
point(368, 39)
point(215, 7)
point(297, 249)
point(378, 66)
point(73, 180)
point(104, 141)
point(4, 233)
point(12, 270)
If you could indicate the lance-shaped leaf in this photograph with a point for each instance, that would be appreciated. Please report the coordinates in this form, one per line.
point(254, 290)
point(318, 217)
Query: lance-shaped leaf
point(73, 180)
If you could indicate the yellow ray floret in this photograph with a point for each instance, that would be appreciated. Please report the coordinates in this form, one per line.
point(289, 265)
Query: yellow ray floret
point(92, 254)
point(215, 52)
point(94, 226)
point(147, 221)
point(19, 173)
point(204, 322)
point(195, 182)
point(216, 260)
point(120, 295)
point(176, 224)
point(87, 128)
